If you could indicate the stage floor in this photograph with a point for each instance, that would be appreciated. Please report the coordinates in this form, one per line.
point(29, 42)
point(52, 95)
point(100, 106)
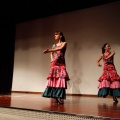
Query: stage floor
point(90, 106)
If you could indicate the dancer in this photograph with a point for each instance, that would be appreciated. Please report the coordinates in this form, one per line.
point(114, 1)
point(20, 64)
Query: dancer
point(110, 80)
point(57, 78)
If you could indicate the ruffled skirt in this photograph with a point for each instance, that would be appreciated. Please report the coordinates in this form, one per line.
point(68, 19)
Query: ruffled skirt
point(109, 84)
point(56, 84)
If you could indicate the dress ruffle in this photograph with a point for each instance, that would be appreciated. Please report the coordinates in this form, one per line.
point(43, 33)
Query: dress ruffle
point(109, 73)
point(57, 76)
point(51, 92)
point(56, 82)
point(58, 72)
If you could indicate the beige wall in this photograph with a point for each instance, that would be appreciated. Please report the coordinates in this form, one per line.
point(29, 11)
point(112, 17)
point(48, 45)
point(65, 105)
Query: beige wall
point(85, 31)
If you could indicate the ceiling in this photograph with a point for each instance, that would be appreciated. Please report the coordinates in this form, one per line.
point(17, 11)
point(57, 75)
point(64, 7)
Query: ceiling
point(24, 10)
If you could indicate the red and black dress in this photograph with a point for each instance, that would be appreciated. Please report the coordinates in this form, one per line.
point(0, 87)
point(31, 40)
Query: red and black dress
point(57, 78)
point(109, 80)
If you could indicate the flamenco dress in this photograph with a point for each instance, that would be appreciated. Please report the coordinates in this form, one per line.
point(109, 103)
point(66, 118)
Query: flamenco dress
point(109, 81)
point(57, 78)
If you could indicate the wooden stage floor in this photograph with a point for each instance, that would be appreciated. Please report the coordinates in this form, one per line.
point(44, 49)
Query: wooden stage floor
point(90, 106)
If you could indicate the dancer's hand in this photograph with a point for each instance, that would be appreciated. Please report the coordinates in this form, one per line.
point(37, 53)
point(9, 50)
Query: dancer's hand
point(46, 51)
point(99, 65)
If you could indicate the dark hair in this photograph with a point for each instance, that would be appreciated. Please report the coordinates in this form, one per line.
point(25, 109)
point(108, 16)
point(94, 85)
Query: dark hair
point(103, 48)
point(60, 33)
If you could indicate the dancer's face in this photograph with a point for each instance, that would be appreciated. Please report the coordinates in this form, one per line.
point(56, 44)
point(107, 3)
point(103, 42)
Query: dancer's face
point(107, 47)
point(57, 36)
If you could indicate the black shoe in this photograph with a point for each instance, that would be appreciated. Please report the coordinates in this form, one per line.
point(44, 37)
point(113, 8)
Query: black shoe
point(115, 99)
point(104, 96)
point(59, 101)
